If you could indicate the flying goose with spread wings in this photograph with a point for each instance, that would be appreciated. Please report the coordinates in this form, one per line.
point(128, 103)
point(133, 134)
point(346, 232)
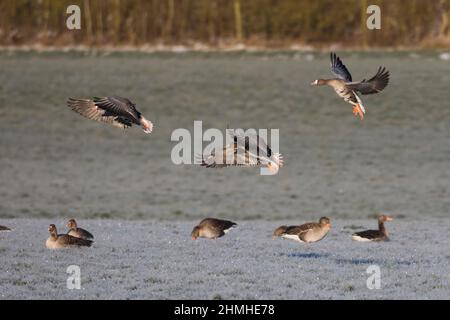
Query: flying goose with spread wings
point(247, 150)
point(345, 88)
point(117, 111)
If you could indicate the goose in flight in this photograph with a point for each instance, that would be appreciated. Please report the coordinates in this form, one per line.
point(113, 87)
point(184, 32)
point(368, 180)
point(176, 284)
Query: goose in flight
point(58, 241)
point(308, 232)
point(374, 235)
point(117, 111)
point(345, 88)
point(75, 231)
point(248, 150)
point(212, 228)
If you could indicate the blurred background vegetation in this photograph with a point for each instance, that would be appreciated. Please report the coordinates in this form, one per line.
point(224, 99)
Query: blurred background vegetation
point(220, 23)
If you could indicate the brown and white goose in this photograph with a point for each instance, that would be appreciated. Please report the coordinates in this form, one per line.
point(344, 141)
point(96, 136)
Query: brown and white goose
point(374, 235)
point(75, 231)
point(308, 232)
point(59, 241)
point(3, 228)
point(117, 111)
point(247, 150)
point(345, 88)
point(212, 228)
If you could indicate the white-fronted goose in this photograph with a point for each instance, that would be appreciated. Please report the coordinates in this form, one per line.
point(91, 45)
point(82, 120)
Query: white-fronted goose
point(78, 232)
point(3, 228)
point(58, 241)
point(308, 232)
point(212, 228)
point(247, 150)
point(346, 89)
point(117, 111)
point(374, 235)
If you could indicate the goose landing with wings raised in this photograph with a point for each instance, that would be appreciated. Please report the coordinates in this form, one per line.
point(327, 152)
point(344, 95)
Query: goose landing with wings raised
point(345, 88)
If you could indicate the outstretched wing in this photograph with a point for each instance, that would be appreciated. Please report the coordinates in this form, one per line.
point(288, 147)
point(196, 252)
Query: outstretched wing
point(231, 155)
point(119, 106)
point(374, 85)
point(253, 142)
point(104, 110)
point(339, 69)
point(224, 157)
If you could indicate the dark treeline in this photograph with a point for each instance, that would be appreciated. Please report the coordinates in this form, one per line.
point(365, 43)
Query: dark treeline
point(221, 22)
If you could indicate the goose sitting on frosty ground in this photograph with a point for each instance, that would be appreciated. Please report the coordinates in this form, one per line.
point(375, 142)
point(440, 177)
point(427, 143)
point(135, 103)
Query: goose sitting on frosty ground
point(374, 235)
point(308, 232)
point(3, 228)
point(346, 89)
point(212, 228)
point(247, 150)
point(75, 231)
point(59, 241)
point(117, 111)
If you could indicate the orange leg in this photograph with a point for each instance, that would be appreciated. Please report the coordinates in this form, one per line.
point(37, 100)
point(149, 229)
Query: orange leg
point(357, 111)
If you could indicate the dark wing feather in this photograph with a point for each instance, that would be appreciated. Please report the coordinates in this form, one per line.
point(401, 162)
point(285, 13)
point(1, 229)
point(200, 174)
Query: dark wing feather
point(88, 109)
point(339, 69)
point(85, 234)
point(374, 85)
point(74, 241)
point(3, 228)
point(218, 224)
point(299, 229)
point(369, 234)
point(119, 106)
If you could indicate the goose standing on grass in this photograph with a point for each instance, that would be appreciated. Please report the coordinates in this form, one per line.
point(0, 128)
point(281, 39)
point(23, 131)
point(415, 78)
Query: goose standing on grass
point(78, 232)
point(3, 228)
point(117, 111)
point(374, 235)
point(212, 228)
point(346, 88)
point(247, 150)
point(308, 232)
point(58, 241)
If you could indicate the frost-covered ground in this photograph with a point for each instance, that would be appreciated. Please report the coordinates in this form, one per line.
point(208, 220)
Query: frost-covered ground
point(54, 164)
point(158, 260)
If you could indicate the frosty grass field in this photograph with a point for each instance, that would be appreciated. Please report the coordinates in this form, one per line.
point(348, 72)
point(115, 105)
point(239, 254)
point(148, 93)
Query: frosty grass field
point(123, 187)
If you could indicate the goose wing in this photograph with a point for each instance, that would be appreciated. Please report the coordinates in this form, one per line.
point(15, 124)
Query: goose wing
point(298, 230)
point(339, 69)
point(68, 240)
point(220, 158)
point(369, 234)
point(253, 142)
point(374, 85)
point(117, 111)
point(219, 224)
point(230, 155)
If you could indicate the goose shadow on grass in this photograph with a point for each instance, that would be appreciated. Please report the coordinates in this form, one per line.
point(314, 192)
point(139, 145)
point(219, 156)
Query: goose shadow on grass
point(303, 255)
point(313, 255)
